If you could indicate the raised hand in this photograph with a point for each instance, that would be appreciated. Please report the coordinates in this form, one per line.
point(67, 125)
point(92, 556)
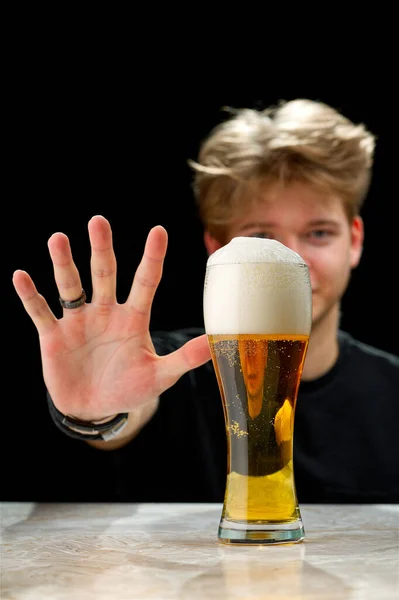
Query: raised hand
point(99, 359)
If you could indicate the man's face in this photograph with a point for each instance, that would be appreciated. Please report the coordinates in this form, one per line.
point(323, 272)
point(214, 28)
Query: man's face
point(317, 228)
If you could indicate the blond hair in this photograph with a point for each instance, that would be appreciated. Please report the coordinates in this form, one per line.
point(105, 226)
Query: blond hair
point(297, 141)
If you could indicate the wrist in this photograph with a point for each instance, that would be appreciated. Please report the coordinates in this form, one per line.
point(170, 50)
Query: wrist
point(102, 429)
point(137, 419)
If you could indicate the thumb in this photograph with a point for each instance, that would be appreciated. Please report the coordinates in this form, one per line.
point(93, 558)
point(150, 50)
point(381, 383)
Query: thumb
point(191, 355)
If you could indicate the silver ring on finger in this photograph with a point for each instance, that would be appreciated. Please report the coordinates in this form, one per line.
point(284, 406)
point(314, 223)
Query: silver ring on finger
point(73, 303)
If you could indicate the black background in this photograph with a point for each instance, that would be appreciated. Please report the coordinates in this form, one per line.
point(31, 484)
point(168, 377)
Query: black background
point(91, 135)
point(80, 154)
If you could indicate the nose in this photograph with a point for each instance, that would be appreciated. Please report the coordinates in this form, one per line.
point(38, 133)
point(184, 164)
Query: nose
point(294, 243)
point(291, 241)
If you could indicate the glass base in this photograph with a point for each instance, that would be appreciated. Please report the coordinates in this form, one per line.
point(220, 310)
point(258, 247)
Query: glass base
point(235, 532)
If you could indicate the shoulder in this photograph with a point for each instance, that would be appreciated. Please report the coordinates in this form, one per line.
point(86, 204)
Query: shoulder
point(372, 352)
point(366, 356)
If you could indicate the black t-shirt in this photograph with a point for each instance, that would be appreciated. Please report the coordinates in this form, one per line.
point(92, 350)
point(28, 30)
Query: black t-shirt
point(345, 437)
point(346, 440)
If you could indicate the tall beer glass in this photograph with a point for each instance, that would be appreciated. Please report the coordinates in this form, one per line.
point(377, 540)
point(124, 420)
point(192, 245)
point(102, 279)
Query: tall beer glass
point(257, 314)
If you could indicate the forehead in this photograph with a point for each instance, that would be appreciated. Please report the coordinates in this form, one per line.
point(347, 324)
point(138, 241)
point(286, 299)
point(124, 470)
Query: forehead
point(299, 202)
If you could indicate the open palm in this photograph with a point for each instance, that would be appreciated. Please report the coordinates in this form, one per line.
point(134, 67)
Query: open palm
point(98, 359)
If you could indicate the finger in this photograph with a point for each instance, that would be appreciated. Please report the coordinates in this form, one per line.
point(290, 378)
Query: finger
point(66, 273)
point(148, 274)
point(34, 304)
point(191, 355)
point(103, 261)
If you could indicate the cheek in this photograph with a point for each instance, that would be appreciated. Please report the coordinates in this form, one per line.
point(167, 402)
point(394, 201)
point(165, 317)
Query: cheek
point(329, 270)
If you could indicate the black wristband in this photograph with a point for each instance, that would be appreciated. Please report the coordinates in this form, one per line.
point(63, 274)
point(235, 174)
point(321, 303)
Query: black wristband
point(85, 430)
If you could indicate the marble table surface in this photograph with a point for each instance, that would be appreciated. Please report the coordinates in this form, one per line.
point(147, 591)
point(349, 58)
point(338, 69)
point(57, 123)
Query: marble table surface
point(167, 552)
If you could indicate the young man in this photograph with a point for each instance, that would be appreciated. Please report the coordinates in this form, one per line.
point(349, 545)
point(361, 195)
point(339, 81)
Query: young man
point(298, 173)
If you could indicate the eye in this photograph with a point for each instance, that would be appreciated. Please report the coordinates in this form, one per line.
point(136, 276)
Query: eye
point(260, 234)
point(320, 235)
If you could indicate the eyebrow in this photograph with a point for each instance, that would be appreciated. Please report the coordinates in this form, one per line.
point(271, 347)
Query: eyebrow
point(270, 224)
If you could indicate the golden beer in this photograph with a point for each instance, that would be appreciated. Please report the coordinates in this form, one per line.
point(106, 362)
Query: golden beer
point(257, 312)
point(258, 378)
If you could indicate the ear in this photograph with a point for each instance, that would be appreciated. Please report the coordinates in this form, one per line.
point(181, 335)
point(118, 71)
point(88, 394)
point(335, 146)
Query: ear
point(211, 243)
point(357, 237)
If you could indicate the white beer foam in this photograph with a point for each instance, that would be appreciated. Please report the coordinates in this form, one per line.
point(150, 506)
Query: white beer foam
point(256, 285)
point(252, 249)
